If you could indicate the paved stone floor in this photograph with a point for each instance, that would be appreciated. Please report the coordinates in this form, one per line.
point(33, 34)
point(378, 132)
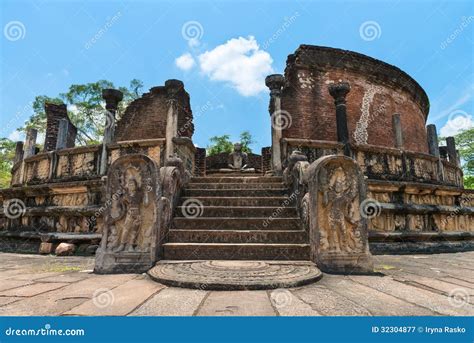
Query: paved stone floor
point(411, 285)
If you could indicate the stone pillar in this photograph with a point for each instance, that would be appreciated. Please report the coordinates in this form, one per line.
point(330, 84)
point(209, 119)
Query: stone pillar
point(433, 146)
point(18, 152)
point(339, 92)
point(54, 113)
point(63, 128)
point(397, 130)
point(451, 146)
point(30, 143)
point(172, 89)
point(275, 83)
point(112, 98)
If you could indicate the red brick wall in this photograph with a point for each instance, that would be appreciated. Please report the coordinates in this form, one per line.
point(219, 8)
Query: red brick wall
point(307, 100)
point(145, 118)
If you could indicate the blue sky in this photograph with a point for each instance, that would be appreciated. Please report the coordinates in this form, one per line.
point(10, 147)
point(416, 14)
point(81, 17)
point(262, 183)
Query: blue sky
point(228, 47)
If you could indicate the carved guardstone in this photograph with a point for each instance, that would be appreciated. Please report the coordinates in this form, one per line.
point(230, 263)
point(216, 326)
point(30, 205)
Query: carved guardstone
point(338, 232)
point(131, 237)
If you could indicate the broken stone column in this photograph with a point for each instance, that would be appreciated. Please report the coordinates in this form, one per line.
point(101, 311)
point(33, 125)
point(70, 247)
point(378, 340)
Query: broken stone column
point(339, 92)
point(18, 152)
point(275, 83)
point(172, 89)
point(112, 98)
point(433, 146)
point(397, 130)
point(338, 228)
point(451, 147)
point(30, 142)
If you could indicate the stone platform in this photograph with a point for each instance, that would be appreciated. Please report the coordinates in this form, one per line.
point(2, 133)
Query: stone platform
point(235, 275)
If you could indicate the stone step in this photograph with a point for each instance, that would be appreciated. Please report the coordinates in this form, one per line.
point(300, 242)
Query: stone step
point(239, 201)
point(237, 179)
point(247, 251)
point(238, 236)
point(217, 223)
point(200, 185)
point(235, 211)
point(235, 192)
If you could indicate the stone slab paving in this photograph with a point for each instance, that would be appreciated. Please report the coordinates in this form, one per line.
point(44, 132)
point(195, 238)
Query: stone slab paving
point(408, 285)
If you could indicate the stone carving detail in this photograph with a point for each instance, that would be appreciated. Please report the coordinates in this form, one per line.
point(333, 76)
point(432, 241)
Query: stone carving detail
point(131, 230)
point(338, 231)
point(238, 161)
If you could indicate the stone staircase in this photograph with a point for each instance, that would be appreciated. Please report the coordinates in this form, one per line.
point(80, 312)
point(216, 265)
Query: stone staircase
point(224, 217)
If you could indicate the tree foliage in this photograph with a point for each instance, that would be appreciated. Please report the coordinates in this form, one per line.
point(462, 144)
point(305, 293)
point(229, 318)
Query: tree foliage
point(7, 153)
point(220, 144)
point(86, 108)
point(465, 145)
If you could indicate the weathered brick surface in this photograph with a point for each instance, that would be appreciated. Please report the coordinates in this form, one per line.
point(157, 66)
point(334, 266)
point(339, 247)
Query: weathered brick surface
point(145, 118)
point(200, 162)
point(54, 113)
point(306, 98)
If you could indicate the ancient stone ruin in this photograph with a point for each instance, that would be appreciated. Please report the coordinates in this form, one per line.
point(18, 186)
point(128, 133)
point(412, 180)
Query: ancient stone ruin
point(352, 171)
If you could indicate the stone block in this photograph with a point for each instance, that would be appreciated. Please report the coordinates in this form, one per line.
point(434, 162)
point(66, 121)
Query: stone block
point(65, 249)
point(45, 248)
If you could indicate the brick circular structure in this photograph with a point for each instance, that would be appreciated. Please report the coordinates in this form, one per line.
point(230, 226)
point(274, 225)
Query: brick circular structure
point(378, 91)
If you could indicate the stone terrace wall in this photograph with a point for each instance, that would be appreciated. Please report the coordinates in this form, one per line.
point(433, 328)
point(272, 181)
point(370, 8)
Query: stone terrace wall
point(378, 90)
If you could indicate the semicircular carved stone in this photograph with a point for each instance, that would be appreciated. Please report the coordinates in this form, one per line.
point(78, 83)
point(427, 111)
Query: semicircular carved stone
point(131, 234)
point(338, 231)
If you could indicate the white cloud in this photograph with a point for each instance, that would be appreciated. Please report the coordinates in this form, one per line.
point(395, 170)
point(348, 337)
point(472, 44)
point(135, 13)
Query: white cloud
point(240, 63)
point(185, 61)
point(16, 136)
point(457, 122)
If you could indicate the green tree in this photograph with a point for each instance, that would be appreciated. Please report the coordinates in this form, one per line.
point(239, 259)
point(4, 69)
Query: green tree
point(86, 108)
point(7, 153)
point(223, 143)
point(465, 145)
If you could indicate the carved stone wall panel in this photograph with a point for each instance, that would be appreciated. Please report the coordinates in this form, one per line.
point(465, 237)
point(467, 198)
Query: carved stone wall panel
point(131, 231)
point(38, 169)
point(338, 230)
point(77, 165)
